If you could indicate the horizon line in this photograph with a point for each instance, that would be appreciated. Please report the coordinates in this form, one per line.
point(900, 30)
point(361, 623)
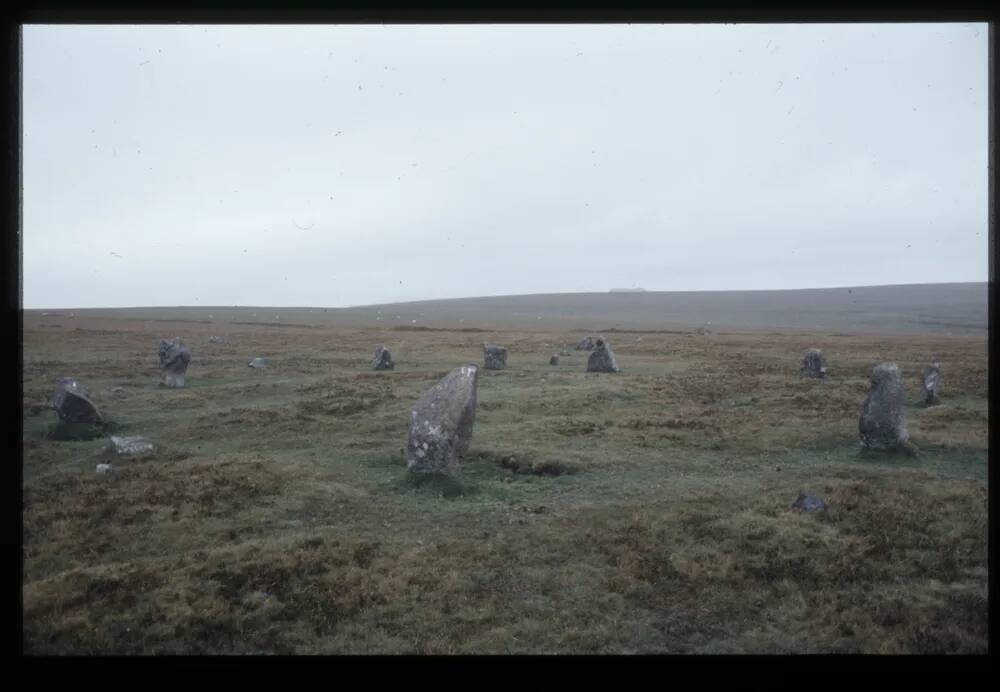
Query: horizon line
point(514, 295)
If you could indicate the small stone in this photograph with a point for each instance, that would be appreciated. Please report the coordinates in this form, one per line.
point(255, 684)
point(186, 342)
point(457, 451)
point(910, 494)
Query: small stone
point(809, 503)
point(258, 363)
point(104, 469)
point(602, 359)
point(174, 359)
point(554, 360)
point(585, 344)
point(131, 446)
point(494, 357)
point(215, 339)
point(383, 359)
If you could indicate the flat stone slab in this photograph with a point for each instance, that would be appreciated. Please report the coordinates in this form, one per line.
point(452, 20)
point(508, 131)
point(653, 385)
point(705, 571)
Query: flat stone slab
point(131, 446)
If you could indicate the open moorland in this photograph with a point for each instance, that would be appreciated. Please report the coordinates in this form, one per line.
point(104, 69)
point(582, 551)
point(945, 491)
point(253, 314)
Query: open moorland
point(647, 511)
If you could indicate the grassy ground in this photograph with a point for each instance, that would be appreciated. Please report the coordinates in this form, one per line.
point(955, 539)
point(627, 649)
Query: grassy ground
point(647, 511)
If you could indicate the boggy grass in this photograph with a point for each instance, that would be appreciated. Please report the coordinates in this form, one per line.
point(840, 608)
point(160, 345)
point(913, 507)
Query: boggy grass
point(647, 511)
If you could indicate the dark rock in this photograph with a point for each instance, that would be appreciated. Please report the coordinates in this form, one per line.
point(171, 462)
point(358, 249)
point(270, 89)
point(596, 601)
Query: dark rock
point(602, 359)
point(494, 357)
point(882, 424)
point(441, 423)
point(174, 359)
point(258, 363)
point(73, 403)
point(585, 344)
point(932, 384)
point(809, 503)
point(814, 364)
point(383, 359)
point(131, 446)
point(554, 360)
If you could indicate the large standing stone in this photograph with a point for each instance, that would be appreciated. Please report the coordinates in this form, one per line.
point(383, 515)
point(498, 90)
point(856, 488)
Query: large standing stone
point(602, 359)
point(383, 359)
point(585, 344)
point(441, 423)
point(883, 421)
point(932, 384)
point(174, 359)
point(73, 403)
point(494, 357)
point(814, 364)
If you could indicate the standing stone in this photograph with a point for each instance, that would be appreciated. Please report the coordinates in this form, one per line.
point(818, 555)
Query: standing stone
point(554, 360)
point(441, 423)
point(174, 359)
point(73, 403)
point(932, 384)
point(883, 421)
point(814, 364)
point(602, 359)
point(585, 344)
point(383, 359)
point(258, 363)
point(495, 357)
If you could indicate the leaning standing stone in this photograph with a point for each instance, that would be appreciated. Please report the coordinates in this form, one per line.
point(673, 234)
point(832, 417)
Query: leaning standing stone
point(174, 359)
point(602, 359)
point(883, 420)
point(814, 364)
point(494, 357)
point(383, 359)
point(441, 423)
point(932, 384)
point(554, 360)
point(73, 403)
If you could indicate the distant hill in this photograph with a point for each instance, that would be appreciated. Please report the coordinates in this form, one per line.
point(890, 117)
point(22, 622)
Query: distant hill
point(957, 308)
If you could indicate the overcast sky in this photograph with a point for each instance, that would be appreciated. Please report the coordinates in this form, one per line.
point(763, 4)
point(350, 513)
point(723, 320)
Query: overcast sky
point(349, 165)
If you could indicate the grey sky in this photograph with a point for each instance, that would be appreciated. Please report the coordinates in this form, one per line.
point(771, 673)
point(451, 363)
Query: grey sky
point(331, 166)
